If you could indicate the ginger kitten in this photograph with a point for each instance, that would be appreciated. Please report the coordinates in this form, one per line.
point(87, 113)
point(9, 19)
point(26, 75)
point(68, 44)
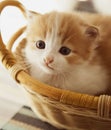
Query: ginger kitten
point(64, 51)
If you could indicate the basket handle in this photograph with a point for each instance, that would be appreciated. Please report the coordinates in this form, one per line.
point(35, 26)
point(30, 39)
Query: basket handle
point(6, 56)
point(17, 4)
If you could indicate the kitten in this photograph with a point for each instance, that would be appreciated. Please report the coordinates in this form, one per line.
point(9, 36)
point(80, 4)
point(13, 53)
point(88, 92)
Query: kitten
point(64, 51)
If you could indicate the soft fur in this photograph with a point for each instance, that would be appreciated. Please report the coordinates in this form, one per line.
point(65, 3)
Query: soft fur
point(87, 69)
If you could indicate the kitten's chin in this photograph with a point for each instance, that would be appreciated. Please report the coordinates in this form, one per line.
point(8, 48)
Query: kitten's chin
point(48, 69)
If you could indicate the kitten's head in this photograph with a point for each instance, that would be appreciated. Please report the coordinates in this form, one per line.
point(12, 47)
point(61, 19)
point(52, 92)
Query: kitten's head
point(56, 42)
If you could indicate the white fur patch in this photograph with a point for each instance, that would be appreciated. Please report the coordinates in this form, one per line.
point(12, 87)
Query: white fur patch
point(51, 38)
point(88, 79)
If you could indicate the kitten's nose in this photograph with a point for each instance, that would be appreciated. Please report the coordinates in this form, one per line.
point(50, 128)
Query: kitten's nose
point(48, 60)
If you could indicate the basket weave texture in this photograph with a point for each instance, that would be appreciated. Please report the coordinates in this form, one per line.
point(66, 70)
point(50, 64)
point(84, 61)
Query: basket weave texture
point(62, 108)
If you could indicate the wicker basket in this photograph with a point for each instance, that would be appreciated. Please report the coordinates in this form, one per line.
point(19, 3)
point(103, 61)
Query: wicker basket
point(61, 108)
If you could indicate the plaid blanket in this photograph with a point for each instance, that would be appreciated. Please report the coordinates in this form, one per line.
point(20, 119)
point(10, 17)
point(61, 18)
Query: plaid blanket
point(25, 119)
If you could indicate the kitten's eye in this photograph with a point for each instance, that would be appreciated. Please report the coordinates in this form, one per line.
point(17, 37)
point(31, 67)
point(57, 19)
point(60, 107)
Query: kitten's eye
point(64, 50)
point(40, 44)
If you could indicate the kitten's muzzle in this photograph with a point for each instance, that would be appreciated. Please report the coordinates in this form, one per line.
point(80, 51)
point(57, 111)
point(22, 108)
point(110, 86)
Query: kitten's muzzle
point(48, 61)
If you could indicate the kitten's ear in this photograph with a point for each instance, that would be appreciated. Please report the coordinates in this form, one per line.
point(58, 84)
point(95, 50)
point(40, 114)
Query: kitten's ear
point(31, 15)
point(92, 32)
point(92, 35)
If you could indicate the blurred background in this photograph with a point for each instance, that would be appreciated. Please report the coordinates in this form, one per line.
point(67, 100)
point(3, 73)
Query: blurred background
point(11, 96)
